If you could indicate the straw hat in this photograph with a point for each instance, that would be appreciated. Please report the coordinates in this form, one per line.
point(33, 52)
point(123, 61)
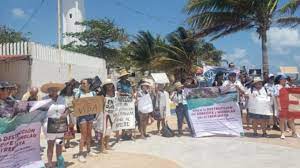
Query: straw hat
point(146, 84)
point(178, 85)
point(107, 81)
point(257, 79)
point(123, 72)
point(58, 86)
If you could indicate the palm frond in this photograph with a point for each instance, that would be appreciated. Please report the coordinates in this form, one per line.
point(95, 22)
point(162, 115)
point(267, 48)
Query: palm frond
point(290, 7)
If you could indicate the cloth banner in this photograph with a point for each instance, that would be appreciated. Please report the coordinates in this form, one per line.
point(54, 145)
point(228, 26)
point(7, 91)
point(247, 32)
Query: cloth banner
point(212, 113)
point(124, 117)
point(20, 140)
point(210, 72)
point(290, 103)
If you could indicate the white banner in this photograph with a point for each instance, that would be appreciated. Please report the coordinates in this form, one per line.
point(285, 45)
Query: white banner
point(124, 118)
point(212, 113)
point(21, 147)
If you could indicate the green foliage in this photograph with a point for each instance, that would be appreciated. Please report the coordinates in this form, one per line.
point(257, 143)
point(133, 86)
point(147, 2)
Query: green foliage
point(101, 38)
point(218, 18)
point(144, 49)
point(290, 8)
point(177, 53)
point(8, 35)
point(183, 51)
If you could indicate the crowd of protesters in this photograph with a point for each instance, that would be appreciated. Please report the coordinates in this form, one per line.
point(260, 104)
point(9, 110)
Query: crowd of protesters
point(257, 96)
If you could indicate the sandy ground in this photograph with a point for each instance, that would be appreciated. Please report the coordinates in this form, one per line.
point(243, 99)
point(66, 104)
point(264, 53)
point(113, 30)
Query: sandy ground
point(153, 152)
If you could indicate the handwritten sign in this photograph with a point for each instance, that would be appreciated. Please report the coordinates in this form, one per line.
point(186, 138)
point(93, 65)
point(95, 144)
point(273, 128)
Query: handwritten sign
point(160, 78)
point(124, 118)
point(88, 105)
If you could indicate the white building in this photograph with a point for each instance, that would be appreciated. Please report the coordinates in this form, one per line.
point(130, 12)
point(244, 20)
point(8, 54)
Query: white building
point(73, 11)
point(32, 64)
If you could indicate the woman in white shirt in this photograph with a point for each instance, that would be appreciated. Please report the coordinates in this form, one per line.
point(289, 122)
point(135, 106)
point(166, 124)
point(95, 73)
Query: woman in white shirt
point(104, 120)
point(160, 106)
point(145, 107)
point(53, 131)
point(259, 105)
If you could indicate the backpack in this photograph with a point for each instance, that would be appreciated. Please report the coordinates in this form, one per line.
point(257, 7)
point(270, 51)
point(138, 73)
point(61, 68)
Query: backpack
point(167, 131)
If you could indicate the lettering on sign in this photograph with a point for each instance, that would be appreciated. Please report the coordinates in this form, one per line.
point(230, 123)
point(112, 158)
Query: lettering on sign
point(88, 105)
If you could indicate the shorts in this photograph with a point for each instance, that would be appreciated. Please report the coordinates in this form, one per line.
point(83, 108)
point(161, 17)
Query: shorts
point(258, 116)
point(84, 119)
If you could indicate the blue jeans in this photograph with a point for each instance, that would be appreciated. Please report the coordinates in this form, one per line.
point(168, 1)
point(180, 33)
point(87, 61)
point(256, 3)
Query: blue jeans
point(182, 112)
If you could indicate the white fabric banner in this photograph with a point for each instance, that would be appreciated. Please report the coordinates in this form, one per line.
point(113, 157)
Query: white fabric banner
point(224, 119)
point(212, 113)
point(21, 147)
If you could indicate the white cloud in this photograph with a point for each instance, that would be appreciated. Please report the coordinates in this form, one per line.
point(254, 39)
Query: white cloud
point(281, 40)
point(239, 57)
point(18, 12)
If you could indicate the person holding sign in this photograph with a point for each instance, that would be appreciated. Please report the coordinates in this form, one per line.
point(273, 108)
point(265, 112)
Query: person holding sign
point(145, 107)
point(124, 88)
point(105, 120)
point(85, 122)
point(179, 98)
point(232, 84)
point(55, 124)
point(281, 82)
point(259, 105)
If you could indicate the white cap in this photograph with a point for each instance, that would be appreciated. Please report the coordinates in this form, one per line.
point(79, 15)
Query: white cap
point(271, 75)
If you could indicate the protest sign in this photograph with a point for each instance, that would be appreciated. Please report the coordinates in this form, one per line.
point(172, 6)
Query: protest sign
point(109, 108)
point(88, 105)
point(212, 113)
point(57, 125)
point(290, 102)
point(124, 117)
point(209, 72)
point(160, 78)
point(20, 140)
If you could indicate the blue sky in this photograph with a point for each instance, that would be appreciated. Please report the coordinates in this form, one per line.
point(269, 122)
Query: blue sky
point(159, 17)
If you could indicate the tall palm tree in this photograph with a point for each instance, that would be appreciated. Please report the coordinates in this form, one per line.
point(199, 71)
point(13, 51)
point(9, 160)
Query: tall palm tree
point(218, 18)
point(290, 8)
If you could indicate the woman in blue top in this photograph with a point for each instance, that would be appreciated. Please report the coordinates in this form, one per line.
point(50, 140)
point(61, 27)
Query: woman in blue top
point(85, 122)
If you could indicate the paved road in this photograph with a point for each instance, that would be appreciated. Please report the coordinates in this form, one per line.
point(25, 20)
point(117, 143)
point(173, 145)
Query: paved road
point(213, 152)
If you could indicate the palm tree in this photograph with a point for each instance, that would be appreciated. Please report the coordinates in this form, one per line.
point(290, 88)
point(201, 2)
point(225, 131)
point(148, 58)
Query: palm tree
point(143, 49)
point(290, 8)
point(180, 54)
point(218, 18)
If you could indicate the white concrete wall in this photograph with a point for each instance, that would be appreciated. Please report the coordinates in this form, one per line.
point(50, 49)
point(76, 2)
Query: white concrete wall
point(48, 66)
point(16, 72)
point(43, 72)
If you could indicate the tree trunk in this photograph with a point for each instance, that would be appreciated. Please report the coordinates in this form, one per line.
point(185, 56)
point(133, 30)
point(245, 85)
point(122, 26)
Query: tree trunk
point(265, 56)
